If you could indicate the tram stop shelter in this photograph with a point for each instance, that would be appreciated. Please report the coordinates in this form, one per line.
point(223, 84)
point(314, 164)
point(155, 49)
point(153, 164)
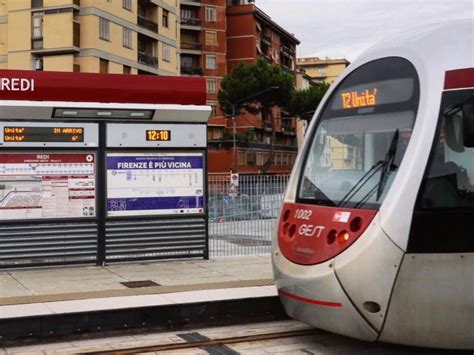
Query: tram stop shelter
point(101, 168)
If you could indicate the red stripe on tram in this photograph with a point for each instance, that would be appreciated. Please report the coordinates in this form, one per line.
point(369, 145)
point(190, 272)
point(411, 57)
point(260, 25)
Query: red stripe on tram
point(307, 300)
point(459, 79)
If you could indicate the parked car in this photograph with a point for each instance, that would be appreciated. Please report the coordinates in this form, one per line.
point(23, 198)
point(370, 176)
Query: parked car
point(270, 205)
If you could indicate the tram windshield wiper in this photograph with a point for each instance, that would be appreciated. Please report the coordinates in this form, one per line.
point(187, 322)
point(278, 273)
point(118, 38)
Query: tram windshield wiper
point(362, 181)
point(388, 164)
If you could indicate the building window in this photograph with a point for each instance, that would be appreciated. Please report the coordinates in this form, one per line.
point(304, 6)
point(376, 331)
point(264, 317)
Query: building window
point(76, 68)
point(211, 61)
point(37, 31)
point(37, 25)
point(165, 19)
point(215, 133)
point(38, 64)
point(127, 69)
point(211, 14)
point(251, 158)
point(241, 158)
point(103, 66)
point(36, 3)
point(104, 29)
point(213, 110)
point(187, 13)
point(211, 38)
point(127, 37)
point(211, 86)
point(127, 5)
point(166, 52)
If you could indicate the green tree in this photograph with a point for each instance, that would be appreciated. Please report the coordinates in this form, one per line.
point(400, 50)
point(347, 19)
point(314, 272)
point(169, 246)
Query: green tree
point(249, 87)
point(304, 103)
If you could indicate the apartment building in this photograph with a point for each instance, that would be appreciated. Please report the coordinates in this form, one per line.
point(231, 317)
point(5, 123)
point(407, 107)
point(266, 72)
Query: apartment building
point(322, 70)
point(253, 35)
point(203, 44)
point(99, 36)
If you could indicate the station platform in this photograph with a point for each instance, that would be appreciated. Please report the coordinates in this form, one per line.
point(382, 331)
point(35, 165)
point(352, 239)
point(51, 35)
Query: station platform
point(66, 300)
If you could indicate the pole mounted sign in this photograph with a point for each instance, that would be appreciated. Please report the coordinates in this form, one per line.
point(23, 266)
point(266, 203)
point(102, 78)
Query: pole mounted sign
point(234, 185)
point(89, 87)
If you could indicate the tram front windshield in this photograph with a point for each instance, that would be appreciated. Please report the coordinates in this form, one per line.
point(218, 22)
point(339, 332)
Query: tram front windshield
point(361, 136)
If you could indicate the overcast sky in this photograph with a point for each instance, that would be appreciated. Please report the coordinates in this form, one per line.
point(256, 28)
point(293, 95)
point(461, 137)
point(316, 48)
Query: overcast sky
point(345, 28)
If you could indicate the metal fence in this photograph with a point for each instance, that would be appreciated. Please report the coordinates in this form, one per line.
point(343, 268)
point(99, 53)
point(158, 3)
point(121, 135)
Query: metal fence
point(243, 223)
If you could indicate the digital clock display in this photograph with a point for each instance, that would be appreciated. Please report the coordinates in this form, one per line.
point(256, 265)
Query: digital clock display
point(20, 134)
point(158, 135)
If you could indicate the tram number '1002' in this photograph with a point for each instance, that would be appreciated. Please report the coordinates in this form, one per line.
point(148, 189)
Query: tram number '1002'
point(303, 214)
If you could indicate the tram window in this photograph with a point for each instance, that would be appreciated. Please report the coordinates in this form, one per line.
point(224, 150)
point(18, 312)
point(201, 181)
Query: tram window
point(449, 178)
point(362, 136)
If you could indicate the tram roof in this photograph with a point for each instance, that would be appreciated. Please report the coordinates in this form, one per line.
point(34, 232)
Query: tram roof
point(436, 48)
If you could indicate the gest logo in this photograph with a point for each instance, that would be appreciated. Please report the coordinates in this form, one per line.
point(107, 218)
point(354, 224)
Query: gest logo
point(309, 230)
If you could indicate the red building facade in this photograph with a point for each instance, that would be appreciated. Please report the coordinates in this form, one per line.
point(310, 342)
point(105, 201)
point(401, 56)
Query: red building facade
point(231, 32)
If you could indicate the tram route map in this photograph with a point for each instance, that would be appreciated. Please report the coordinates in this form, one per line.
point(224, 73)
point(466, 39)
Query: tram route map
point(38, 186)
point(155, 183)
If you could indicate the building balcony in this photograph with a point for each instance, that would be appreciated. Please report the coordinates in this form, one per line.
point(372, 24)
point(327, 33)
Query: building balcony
point(147, 59)
point(191, 70)
point(38, 50)
point(228, 144)
point(267, 39)
point(288, 130)
point(146, 23)
point(191, 22)
point(37, 4)
point(267, 126)
point(191, 2)
point(190, 47)
point(287, 51)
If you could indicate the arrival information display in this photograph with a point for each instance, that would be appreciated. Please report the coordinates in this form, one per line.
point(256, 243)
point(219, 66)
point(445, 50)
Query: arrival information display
point(43, 134)
point(155, 184)
point(38, 186)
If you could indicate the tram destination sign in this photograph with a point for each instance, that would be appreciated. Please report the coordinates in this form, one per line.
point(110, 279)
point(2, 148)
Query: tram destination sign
point(370, 95)
point(27, 134)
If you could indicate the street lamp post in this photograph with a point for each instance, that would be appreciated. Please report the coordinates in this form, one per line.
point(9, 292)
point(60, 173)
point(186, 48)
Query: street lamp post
point(234, 123)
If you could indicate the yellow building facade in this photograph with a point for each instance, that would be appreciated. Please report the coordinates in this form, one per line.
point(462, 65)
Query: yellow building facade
point(322, 70)
point(97, 36)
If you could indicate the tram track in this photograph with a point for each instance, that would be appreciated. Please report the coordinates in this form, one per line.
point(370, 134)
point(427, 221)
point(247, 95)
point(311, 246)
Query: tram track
point(210, 343)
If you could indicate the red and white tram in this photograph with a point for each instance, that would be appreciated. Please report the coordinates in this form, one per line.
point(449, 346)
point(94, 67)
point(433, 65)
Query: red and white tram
point(375, 239)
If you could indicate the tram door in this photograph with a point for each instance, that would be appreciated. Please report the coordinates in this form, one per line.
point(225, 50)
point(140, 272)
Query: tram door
point(155, 188)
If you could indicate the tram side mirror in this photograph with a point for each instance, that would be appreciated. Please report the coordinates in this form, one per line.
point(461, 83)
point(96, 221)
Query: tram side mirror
point(468, 123)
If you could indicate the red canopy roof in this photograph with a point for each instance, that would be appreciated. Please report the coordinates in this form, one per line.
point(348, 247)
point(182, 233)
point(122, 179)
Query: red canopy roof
point(88, 87)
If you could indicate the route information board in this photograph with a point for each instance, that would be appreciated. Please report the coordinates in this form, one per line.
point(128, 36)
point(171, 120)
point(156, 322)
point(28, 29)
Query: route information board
point(155, 184)
point(38, 186)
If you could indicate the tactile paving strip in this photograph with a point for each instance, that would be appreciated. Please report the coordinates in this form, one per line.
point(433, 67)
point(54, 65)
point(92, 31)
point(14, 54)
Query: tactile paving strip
point(6, 301)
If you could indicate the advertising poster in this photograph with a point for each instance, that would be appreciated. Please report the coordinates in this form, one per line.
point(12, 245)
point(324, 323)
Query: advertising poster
point(140, 184)
point(38, 186)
